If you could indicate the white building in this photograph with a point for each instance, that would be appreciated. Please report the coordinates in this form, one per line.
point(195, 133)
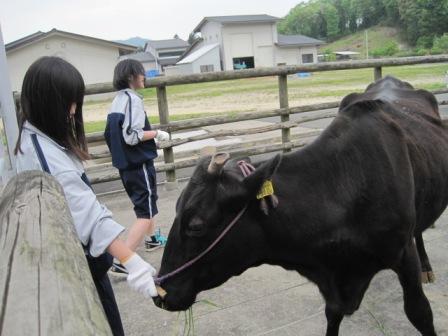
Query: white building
point(247, 41)
point(145, 58)
point(94, 58)
point(166, 52)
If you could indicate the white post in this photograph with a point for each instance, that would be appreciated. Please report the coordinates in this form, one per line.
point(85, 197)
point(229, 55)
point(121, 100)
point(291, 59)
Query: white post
point(8, 120)
point(367, 45)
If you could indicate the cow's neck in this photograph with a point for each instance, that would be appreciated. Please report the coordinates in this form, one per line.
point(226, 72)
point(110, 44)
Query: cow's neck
point(309, 184)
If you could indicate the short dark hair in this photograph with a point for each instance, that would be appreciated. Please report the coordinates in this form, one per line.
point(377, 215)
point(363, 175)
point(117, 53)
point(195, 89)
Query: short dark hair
point(124, 71)
point(50, 87)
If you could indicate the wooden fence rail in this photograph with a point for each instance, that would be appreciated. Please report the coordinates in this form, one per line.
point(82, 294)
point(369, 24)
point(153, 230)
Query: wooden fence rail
point(45, 283)
point(284, 111)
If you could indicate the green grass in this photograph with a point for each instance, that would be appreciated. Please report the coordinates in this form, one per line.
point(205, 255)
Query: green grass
point(377, 37)
point(320, 85)
point(270, 84)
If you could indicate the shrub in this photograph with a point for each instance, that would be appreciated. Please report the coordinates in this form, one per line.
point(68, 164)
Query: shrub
point(440, 43)
point(424, 42)
point(390, 48)
point(421, 52)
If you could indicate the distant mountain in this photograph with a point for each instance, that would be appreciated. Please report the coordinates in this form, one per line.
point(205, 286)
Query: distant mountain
point(134, 41)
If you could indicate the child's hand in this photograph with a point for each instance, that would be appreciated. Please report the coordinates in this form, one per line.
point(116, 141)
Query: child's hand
point(140, 276)
point(162, 135)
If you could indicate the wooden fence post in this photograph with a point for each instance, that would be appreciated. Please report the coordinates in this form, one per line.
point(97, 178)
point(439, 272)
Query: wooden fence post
point(45, 283)
point(168, 153)
point(377, 73)
point(283, 97)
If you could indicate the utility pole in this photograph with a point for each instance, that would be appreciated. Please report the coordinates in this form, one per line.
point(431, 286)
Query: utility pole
point(8, 121)
point(367, 45)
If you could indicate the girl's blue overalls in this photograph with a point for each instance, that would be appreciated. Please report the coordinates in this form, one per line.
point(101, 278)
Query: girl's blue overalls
point(98, 265)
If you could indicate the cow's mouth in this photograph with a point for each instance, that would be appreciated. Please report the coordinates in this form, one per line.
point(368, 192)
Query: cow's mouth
point(171, 302)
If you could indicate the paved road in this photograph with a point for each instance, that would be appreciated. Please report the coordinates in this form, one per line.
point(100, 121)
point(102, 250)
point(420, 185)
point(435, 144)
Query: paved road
point(268, 300)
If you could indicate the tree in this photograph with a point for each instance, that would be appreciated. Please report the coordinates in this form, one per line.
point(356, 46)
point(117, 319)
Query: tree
point(192, 38)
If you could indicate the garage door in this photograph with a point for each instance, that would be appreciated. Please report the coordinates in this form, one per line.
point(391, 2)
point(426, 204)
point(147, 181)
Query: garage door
point(241, 45)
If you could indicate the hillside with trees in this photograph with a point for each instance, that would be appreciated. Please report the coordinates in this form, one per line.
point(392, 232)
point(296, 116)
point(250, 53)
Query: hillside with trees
point(423, 24)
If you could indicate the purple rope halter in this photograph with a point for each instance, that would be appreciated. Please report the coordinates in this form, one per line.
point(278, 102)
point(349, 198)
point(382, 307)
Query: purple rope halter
point(246, 169)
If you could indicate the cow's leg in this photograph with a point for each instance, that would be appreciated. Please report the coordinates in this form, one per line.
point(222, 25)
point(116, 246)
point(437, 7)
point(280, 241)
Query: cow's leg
point(427, 273)
point(416, 304)
point(334, 319)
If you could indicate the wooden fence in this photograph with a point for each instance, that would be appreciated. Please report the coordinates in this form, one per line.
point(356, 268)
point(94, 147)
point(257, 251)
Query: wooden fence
point(44, 274)
point(284, 111)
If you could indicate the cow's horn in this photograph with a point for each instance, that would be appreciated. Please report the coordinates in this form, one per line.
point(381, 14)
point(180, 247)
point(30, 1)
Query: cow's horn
point(217, 162)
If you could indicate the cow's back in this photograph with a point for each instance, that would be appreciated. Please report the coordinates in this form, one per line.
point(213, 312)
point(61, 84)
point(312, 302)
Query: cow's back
point(415, 113)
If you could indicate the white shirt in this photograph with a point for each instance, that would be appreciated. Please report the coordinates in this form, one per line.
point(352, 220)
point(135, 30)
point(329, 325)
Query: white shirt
point(120, 104)
point(93, 221)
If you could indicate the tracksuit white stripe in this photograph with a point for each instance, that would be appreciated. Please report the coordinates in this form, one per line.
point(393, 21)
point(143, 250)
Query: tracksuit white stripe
point(149, 188)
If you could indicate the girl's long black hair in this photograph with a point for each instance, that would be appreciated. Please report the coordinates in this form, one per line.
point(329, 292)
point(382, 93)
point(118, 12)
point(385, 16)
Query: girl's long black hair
point(51, 85)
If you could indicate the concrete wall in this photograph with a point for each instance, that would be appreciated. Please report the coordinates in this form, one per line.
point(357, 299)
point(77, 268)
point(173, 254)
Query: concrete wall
point(246, 40)
point(150, 66)
point(96, 62)
point(179, 69)
point(293, 56)
point(211, 32)
point(210, 58)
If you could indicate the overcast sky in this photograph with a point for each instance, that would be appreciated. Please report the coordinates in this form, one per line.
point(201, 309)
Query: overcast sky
point(122, 19)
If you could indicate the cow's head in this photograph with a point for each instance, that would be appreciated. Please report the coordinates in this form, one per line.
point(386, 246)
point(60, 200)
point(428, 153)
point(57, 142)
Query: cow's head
point(215, 194)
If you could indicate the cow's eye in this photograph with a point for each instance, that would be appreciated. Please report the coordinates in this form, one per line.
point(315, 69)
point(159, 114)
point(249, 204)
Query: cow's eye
point(195, 226)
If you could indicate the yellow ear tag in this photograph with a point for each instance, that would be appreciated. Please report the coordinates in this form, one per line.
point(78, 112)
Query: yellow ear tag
point(267, 189)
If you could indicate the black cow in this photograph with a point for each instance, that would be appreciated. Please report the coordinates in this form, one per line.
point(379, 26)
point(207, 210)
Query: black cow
point(349, 206)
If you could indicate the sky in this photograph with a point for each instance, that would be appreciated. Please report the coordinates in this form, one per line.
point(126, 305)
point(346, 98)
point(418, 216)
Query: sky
point(122, 19)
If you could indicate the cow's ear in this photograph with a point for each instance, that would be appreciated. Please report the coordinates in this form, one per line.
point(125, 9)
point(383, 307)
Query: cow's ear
point(264, 172)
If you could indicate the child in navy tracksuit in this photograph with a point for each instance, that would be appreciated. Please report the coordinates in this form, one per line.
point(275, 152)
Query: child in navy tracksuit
point(131, 142)
point(52, 139)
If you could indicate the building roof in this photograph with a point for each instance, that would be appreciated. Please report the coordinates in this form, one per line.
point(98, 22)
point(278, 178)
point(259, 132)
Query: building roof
point(190, 48)
point(141, 56)
point(24, 41)
point(346, 53)
point(167, 61)
point(236, 19)
point(297, 40)
point(168, 44)
point(198, 53)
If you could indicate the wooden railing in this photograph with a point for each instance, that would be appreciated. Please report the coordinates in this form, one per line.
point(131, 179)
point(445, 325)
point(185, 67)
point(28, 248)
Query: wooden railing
point(284, 112)
point(45, 284)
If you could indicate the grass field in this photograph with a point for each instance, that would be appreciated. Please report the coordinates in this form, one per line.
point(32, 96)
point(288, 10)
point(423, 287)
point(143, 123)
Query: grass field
point(234, 96)
point(378, 36)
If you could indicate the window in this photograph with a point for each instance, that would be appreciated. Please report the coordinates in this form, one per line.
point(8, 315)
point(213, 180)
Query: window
point(240, 63)
point(207, 68)
point(171, 53)
point(307, 58)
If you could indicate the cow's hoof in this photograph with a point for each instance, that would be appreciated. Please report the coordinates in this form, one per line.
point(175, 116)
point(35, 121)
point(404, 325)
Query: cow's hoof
point(428, 277)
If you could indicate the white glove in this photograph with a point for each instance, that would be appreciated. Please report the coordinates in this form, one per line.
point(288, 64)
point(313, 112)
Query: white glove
point(162, 135)
point(140, 276)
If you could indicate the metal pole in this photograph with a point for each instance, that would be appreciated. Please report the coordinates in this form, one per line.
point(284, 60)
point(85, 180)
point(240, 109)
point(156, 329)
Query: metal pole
point(9, 130)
